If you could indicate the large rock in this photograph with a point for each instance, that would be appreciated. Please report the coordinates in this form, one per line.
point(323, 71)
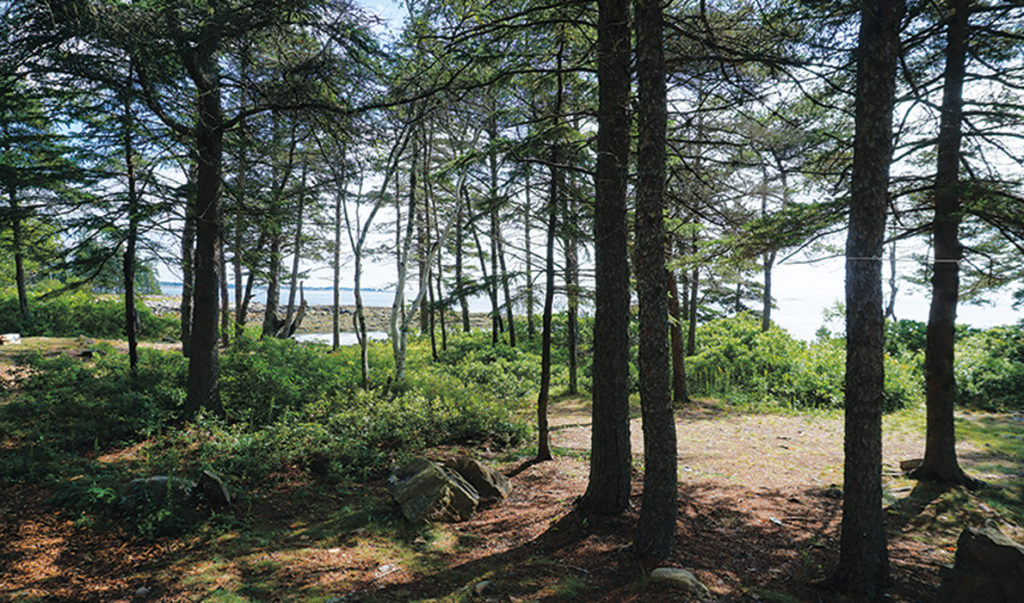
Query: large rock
point(428, 492)
point(488, 482)
point(681, 579)
point(989, 567)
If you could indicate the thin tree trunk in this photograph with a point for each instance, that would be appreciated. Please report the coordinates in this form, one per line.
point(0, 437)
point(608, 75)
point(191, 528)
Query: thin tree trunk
point(270, 320)
point(543, 398)
point(863, 567)
point(225, 302)
point(336, 265)
point(608, 485)
point(131, 318)
point(296, 258)
point(656, 527)
point(530, 326)
point(459, 279)
point(188, 263)
point(940, 462)
point(890, 305)
point(679, 394)
point(691, 331)
point(768, 261)
point(18, 242)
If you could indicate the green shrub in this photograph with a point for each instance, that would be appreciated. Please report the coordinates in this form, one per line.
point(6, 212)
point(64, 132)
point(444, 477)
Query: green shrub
point(260, 379)
point(989, 368)
point(736, 359)
point(80, 313)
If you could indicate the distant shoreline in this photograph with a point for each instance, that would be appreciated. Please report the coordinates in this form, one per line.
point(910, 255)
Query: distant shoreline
point(319, 318)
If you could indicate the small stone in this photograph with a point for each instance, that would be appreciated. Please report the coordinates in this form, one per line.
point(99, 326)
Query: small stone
point(485, 588)
point(680, 579)
point(142, 592)
point(909, 465)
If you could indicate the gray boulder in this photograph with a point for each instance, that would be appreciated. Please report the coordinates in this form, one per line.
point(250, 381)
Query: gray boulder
point(488, 482)
point(681, 579)
point(989, 567)
point(428, 492)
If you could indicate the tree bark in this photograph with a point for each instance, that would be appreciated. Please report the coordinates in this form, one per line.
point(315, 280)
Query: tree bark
point(204, 363)
point(863, 567)
point(940, 462)
point(289, 315)
point(608, 485)
point(270, 320)
point(459, 279)
point(531, 328)
point(691, 319)
point(679, 393)
point(188, 262)
point(655, 535)
point(131, 317)
point(543, 398)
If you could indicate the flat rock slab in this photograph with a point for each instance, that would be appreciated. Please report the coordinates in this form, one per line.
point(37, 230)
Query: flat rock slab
point(989, 567)
point(680, 579)
point(488, 482)
point(428, 492)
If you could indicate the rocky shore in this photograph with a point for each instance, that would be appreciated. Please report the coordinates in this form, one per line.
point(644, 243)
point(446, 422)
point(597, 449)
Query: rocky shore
point(318, 318)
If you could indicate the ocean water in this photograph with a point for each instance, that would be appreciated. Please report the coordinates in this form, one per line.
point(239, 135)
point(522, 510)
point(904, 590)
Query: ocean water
point(343, 338)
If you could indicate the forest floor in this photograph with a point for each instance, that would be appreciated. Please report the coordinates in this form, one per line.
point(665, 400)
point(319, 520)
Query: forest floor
point(759, 516)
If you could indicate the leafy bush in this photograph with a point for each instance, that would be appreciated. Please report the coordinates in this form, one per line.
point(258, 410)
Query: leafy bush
point(990, 368)
point(736, 359)
point(74, 314)
point(260, 379)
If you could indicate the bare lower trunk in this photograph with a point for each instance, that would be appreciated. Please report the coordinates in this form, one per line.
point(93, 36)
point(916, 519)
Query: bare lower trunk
point(608, 485)
point(656, 527)
point(940, 462)
point(863, 567)
point(679, 394)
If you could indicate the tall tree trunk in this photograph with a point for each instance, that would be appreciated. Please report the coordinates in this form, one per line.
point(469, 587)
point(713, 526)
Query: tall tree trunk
point(296, 259)
point(679, 393)
point(339, 200)
point(398, 324)
point(544, 397)
point(18, 243)
point(940, 462)
point(491, 291)
point(572, 294)
point(492, 205)
point(188, 261)
point(608, 485)
point(204, 363)
point(655, 535)
point(863, 567)
point(768, 261)
point(691, 327)
point(270, 319)
point(422, 245)
point(530, 326)
point(225, 301)
point(459, 279)
point(506, 290)
point(131, 317)
point(894, 287)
